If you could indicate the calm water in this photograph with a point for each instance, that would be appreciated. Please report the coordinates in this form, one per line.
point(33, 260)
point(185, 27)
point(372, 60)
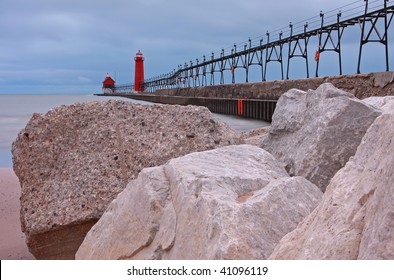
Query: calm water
point(16, 110)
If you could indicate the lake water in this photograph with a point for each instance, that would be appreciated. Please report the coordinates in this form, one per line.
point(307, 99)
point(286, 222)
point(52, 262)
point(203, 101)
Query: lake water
point(17, 109)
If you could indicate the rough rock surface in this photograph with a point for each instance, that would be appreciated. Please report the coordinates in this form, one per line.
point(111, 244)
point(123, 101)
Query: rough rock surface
point(314, 133)
point(234, 202)
point(255, 136)
point(360, 85)
point(386, 103)
point(355, 219)
point(74, 160)
point(383, 79)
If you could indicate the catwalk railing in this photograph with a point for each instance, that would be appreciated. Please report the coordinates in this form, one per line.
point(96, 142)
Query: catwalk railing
point(373, 16)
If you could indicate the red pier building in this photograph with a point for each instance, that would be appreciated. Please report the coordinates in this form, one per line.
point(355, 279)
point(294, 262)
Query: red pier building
point(108, 84)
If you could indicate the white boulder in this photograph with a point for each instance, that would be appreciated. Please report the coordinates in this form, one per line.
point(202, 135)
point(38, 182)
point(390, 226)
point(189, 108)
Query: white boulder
point(235, 202)
point(314, 133)
point(355, 219)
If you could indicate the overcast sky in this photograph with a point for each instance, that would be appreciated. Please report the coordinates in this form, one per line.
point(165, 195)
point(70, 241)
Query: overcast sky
point(67, 46)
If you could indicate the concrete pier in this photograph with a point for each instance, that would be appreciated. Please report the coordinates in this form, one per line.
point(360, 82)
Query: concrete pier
point(248, 108)
point(258, 100)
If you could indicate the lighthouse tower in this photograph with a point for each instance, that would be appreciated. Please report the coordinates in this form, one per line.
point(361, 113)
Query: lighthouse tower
point(139, 72)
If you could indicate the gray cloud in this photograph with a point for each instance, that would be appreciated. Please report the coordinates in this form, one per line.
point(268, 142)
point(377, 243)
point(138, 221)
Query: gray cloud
point(69, 45)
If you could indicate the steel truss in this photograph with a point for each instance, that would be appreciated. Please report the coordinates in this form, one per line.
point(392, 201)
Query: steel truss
point(330, 39)
point(384, 16)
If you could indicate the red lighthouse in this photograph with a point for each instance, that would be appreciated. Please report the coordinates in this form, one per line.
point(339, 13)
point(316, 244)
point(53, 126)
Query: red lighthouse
point(139, 72)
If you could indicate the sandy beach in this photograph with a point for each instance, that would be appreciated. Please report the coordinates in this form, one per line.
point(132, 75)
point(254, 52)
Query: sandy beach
point(12, 240)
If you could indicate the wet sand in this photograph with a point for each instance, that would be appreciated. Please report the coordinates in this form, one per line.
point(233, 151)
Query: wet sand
point(12, 240)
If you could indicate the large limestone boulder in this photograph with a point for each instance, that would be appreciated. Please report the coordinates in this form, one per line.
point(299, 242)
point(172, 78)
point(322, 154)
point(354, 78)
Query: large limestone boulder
point(234, 202)
point(385, 103)
point(355, 219)
point(314, 133)
point(74, 160)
